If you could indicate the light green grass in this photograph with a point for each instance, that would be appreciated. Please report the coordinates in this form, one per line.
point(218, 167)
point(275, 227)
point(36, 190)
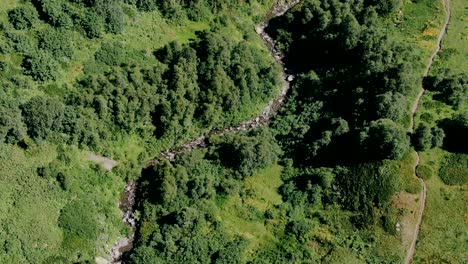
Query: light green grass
point(419, 24)
point(431, 111)
point(443, 237)
point(245, 216)
point(30, 204)
point(444, 233)
point(454, 52)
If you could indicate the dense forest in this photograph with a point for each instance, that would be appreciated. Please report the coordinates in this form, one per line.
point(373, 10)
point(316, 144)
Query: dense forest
point(129, 79)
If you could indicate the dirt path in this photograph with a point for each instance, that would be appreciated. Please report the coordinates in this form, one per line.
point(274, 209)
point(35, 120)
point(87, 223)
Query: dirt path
point(422, 199)
point(411, 250)
point(104, 162)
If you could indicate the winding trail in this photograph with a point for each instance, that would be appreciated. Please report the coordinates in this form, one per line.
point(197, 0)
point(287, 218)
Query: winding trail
point(414, 109)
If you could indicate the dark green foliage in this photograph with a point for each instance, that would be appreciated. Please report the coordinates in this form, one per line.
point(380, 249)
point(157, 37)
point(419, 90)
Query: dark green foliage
point(454, 171)
point(246, 155)
point(423, 138)
point(426, 138)
point(388, 224)
point(178, 210)
point(75, 218)
point(111, 54)
point(12, 129)
point(146, 5)
point(364, 186)
point(386, 140)
point(384, 7)
point(233, 252)
point(452, 88)
point(112, 13)
point(41, 66)
point(23, 17)
point(42, 116)
point(438, 136)
point(307, 187)
point(92, 24)
point(54, 12)
point(3, 66)
point(391, 106)
point(144, 254)
point(349, 70)
point(56, 42)
point(456, 130)
point(23, 44)
point(298, 229)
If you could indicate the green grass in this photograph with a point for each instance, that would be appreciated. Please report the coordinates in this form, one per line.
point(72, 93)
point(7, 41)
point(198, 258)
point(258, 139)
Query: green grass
point(444, 233)
point(419, 24)
point(431, 111)
point(455, 44)
point(30, 205)
point(444, 237)
point(244, 215)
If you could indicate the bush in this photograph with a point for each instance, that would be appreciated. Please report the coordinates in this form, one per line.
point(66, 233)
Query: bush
point(248, 154)
point(23, 17)
point(425, 172)
point(112, 13)
point(386, 139)
point(423, 138)
point(299, 229)
point(92, 24)
point(42, 116)
point(23, 44)
point(11, 127)
point(41, 66)
point(111, 54)
point(455, 169)
point(56, 42)
point(52, 11)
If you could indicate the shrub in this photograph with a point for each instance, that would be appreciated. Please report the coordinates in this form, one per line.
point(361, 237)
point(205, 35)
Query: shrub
point(299, 229)
point(438, 136)
point(112, 13)
point(11, 127)
point(386, 139)
point(111, 54)
point(423, 138)
point(57, 42)
point(42, 116)
point(114, 19)
point(3, 66)
point(52, 11)
point(425, 172)
point(454, 171)
point(77, 219)
point(41, 66)
point(23, 17)
point(23, 44)
point(92, 24)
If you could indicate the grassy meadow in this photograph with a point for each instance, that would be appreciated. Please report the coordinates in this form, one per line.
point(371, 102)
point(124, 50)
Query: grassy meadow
point(443, 237)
